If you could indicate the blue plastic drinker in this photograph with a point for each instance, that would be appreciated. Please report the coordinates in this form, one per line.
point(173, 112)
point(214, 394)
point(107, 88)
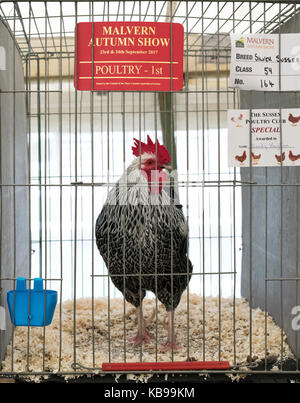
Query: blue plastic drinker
point(30, 312)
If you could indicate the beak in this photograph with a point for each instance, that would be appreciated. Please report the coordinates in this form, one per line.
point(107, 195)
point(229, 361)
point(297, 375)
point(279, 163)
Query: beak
point(168, 167)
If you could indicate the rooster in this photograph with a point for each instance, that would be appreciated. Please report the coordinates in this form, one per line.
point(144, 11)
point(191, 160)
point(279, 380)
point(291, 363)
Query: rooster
point(293, 119)
point(241, 158)
point(255, 157)
point(141, 232)
point(280, 158)
point(293, 157)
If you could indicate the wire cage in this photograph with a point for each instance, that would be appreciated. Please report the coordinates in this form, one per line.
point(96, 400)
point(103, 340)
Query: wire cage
point(63, 150)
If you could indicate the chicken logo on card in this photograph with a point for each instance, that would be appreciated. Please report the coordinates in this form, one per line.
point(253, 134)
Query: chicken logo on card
point(293, 119)
point(293, 157)
point(255, 158)
point(241, 158)
point(280, 158)
point(238, 120)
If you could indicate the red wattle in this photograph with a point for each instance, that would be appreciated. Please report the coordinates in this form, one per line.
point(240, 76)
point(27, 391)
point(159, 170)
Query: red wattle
point(156, 180)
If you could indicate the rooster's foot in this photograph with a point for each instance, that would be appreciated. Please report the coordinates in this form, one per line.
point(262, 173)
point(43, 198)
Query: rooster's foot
point(140, 338)
point(169, 346)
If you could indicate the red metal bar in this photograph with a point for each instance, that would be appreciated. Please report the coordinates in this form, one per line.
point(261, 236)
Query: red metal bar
point(165, 366)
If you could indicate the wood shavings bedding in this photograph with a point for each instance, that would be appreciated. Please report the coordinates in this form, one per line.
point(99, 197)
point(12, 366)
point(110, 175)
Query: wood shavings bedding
point(202, 333)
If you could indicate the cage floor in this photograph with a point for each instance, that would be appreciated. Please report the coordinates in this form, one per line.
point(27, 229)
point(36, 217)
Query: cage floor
point(195, 332)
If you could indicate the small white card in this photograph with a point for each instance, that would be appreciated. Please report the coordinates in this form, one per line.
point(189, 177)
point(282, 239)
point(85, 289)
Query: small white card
point(257, 58)
point(2, 318)
point(2, 58)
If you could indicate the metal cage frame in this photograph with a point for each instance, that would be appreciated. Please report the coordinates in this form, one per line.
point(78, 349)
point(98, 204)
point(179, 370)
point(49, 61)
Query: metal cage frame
point(47, 45)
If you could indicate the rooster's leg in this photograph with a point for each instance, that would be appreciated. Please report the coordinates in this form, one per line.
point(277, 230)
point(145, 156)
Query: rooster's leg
point(142, 333)
point(171, 343)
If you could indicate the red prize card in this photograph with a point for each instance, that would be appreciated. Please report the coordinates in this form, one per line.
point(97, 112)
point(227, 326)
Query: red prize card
point(129, 56)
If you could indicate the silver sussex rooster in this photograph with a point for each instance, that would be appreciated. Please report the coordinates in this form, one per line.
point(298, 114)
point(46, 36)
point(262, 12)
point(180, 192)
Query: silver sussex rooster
point(142, 235)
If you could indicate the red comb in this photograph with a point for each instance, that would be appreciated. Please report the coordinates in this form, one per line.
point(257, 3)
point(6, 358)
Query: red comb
point(154, 148)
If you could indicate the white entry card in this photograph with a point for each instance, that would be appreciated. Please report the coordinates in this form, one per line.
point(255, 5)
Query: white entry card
point(265, 62)
point(257, 141)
